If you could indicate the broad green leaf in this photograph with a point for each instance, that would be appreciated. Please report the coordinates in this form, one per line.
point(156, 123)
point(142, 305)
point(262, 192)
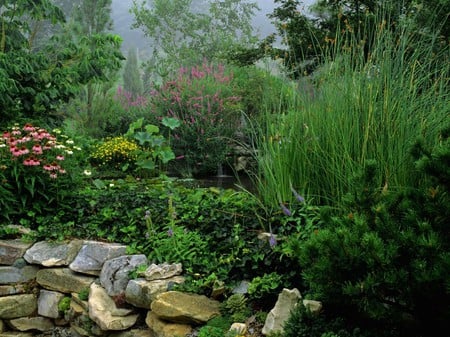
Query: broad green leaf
point(170, 122)
point(147, 164)
point(150, 128)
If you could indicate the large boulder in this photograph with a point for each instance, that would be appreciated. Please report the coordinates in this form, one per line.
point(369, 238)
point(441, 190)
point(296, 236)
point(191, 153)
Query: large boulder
point(179, 307)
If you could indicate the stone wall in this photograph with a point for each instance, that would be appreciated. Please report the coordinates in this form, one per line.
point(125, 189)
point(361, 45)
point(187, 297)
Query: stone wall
point(84, 288)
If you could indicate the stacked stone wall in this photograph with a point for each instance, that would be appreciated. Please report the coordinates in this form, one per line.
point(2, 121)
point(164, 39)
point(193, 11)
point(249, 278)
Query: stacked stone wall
point(85, 288)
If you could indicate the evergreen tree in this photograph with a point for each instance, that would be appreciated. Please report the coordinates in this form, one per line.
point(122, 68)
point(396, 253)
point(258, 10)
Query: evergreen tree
point(132, 81)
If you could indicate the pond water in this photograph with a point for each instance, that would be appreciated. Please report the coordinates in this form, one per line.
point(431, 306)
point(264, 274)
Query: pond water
point(221, 181)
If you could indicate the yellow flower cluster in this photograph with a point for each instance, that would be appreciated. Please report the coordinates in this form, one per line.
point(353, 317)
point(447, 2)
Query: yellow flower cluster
point(115, 151)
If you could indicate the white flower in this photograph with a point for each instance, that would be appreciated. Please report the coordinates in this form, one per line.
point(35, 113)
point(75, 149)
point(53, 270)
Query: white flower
point(87, 173)
point(69, 152)
point(69, 141)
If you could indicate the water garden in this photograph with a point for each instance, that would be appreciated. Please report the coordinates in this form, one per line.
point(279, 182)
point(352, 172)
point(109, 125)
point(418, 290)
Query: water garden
point(340, 175)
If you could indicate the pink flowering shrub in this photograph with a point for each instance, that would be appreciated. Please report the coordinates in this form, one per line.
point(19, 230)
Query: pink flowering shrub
point(202, 98)
point(32, 169)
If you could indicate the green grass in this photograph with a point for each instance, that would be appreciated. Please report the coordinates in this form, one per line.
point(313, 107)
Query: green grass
point(361, 109)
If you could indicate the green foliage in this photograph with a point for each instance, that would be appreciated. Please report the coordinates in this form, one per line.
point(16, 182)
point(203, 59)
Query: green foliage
point(110, 114)
point(202, 99)
point(265, 285)
point(389, 255)
point(301, 35)
point(236, 307)
point(303, 323)
point(307, 37)
point(64, 304)
point(222, 322)
point(35, 82)
point(210, 331)
point(198, 30)
point(154, 150)
point(84, 294)
point(176, 244)
point(351, 111)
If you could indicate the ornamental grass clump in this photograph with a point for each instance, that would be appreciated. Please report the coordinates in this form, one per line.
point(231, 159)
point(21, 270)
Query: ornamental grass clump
point(362, 107)
point(116, 153)
point(32, 169)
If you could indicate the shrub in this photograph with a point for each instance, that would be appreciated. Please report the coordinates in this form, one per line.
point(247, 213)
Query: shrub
point(303, 323)
point(202, 99)
point(388, 256)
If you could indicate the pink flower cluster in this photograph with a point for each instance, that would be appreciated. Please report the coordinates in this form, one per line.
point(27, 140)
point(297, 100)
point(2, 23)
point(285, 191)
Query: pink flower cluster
point(128, 101)
point(33, 146)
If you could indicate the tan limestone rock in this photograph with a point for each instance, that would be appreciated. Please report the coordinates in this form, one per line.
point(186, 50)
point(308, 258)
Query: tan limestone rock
point(31, 323)
point(314, 306)
point(161, 328)
point(179, 307)
point(134, 333)
point(162, 271)
point(141, 293)
point(63, 280)
point(104, 312)
point(16, 334)
point(16, 306)
point(287, 301)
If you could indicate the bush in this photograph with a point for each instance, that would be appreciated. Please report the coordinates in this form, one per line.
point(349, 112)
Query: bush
point(385, 260)
point(303, 323)
point(202, 99)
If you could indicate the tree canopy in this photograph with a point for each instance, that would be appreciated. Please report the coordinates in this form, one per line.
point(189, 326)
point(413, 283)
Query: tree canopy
point(184, 32)
point(34, 82)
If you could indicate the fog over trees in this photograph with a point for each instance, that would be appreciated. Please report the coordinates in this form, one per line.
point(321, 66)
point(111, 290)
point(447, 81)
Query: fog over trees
point(123, 20)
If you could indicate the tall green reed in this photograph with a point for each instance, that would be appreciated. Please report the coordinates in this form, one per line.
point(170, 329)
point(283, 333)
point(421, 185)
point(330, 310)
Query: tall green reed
point(363, 106)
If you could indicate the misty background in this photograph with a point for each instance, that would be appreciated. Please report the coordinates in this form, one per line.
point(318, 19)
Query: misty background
point(134, 38)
